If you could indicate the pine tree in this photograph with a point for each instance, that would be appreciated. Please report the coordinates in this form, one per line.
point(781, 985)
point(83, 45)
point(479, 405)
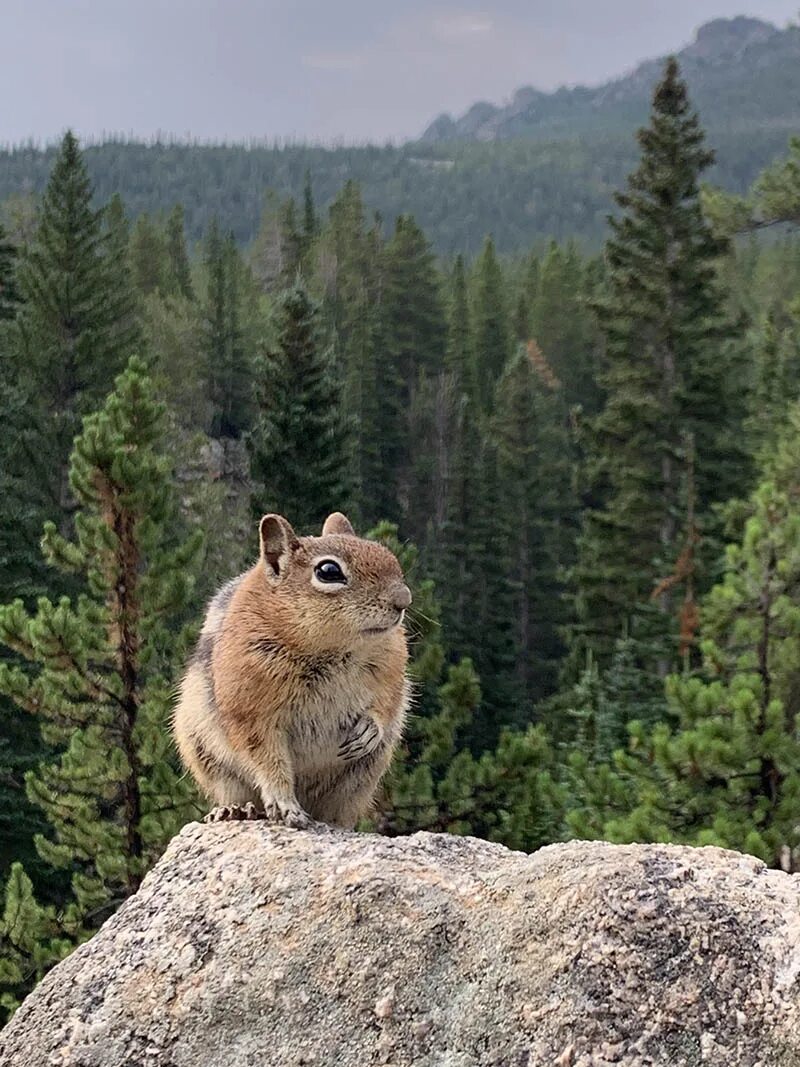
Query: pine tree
point(777, 364)
point(21, 574)
point(410, 357)
point(414, 316)
point(507, 794)
point(537, 508)
point(564, 324)
point(492, 339)
point(349, 272)
point(492, 602)
point(458, 350)
point(228, 365)
point(77, 328)
point(310, 229)
point(670, 381)
point(777, 190)
point(277, 252)
point(300, 443)
point(101, 666)
point(178, 280)
point(725, 768)
point(29, 941)
point(454, 558)
point(71, 335)
point(148, 253)
point(119, 274)
point(9, 290)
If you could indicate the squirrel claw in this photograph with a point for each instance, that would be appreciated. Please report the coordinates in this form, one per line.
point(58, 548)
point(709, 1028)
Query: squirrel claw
point(286, 815)
point(234, 813)
point(362, 738)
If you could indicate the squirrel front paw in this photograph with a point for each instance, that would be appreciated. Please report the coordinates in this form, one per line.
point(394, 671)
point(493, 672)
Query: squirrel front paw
point(288, 814)
point(363, 737)
point(234, 813)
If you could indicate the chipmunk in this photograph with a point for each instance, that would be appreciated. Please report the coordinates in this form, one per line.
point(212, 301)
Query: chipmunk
point(296, 695)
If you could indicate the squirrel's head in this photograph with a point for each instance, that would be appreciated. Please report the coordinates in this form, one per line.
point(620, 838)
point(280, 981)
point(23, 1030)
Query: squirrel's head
point(337, 587)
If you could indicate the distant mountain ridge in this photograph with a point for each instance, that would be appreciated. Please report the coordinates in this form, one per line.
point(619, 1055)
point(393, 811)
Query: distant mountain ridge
point(741, 72)
point(545, 166)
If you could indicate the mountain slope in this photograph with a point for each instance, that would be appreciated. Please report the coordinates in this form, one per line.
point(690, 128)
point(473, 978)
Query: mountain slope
point(546, 166)
point(743, 73)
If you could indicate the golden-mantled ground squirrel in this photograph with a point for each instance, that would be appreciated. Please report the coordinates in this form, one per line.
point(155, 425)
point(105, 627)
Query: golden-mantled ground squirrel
point(296, 695)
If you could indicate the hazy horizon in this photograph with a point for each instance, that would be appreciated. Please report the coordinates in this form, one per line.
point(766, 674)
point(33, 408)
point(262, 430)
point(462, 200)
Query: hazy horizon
point(238, 71)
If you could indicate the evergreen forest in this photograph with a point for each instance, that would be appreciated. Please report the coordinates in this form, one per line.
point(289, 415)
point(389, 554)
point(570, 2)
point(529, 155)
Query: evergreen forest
point(588, 464)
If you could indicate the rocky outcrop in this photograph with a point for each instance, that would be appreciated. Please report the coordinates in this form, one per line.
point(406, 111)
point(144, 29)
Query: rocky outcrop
point(250, 945)
point(743, 73)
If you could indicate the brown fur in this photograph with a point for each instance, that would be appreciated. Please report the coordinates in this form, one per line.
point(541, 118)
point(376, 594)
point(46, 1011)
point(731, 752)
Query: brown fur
point(296, 696)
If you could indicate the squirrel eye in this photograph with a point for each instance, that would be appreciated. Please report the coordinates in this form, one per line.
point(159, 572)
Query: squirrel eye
point(328, 570)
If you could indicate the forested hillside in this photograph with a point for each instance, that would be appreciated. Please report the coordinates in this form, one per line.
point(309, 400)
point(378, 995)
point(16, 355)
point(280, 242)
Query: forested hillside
point(554, 177)
point(588, 466)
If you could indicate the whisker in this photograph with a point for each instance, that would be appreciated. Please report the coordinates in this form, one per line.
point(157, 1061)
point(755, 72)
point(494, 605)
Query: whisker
point(422, 615)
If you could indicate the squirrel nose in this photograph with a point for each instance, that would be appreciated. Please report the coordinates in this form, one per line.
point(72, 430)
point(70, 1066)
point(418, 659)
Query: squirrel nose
point(402, 597)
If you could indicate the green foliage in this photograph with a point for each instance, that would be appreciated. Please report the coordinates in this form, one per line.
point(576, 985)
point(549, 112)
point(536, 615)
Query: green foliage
point(777, 191)
point(229, 368)
point(563, 324)
point(346, 267)
point(411, 353)
point(667, 444)
point(300, 443)
point(9, 291)
point(507, 794)
point(538, 513)
point(179, 276)
point(523, 192)
point(491, 332)
point(484, 407)
point(77, 329)
point(74, 328)
point(728, 771)
point(148, 255)
point(29, 941)
point(101, 666)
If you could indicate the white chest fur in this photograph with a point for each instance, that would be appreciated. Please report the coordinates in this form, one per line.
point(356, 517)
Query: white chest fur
point(320, 722)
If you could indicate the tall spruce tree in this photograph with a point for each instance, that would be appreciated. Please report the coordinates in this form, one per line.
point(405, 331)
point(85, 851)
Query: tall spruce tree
point(101, 667)
point(21, 575)
point(77, 328)
point(349, 272)
point(277, 252)
point(457, 550)
point(300, 443)
point(9, 290)
point(148, 252)
point(310, 228)
point(564, 325)
point(228, 365)
point(491, 326)
point(411, 356)
point(178, 281)
point(538, 510)
point(667, 443)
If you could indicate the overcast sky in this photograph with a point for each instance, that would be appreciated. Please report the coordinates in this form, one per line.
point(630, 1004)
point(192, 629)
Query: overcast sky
point(314, 69)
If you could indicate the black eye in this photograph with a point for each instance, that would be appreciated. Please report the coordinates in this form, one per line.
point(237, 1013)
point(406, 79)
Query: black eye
point(328, 570)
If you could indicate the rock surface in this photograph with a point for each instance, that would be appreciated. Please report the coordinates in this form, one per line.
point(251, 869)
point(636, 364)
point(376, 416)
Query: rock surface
point(252, 946)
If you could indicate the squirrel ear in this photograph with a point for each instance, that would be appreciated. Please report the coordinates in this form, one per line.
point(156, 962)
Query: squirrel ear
point(277, 540)
point(338, 524)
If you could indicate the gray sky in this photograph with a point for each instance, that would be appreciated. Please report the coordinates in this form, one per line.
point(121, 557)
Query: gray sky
point(352, 70)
